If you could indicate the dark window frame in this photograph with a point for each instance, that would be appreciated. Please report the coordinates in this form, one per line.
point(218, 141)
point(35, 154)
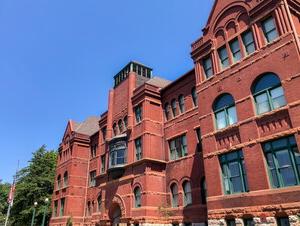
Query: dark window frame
point(227, 178)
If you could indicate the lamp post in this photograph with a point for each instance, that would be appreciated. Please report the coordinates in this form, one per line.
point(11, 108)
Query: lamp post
point(33, 214)
point(45, 210)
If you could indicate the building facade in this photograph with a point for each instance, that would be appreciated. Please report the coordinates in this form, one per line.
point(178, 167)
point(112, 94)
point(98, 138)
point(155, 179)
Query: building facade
point(217, 146)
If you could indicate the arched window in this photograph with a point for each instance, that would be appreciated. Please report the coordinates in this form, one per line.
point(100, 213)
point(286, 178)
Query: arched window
point(89, 208)
point(268, 93)
point(194, 96)
point(181, 103)
point(225, 111)
point(125, 122)
point(137, 197)
point(167, 111)
point(187, 193)
point(66, 179)
point(174, 107)
point(99, 202)
point(120, 124)
point(58, 182)
point(203, 191)
point(174, 195)
point(115, 129)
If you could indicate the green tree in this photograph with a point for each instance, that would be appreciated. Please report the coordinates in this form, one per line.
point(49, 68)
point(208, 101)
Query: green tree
point(4, 190)
point(34, 184)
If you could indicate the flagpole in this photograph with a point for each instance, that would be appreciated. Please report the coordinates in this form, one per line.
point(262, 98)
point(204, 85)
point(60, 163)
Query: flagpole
point(7, 215)
point(11, 196)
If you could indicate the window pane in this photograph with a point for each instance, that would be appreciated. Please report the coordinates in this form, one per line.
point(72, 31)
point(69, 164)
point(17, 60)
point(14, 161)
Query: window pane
point(235, 50)
point(223, 55)
point(262, 103)
point(237, 184)
point(248, 42)
point(232, 156)
point(221, 120)
point(234, 169)
point(269, 29)
point(232, 118)
point(286, 169)
point(275, 178)
point(207, 66)
point(277, 95)
point(281, 143)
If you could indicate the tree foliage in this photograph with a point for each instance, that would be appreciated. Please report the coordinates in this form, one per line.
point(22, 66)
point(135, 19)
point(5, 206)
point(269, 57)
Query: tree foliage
point(4, 190)
point(34, 184)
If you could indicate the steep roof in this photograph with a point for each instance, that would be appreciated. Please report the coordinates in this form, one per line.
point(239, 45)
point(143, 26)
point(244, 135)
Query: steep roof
point(158, 82)
point(87, 127)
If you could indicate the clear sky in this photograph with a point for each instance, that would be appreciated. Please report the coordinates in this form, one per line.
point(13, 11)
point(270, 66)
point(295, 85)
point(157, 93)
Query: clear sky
point(58, 59)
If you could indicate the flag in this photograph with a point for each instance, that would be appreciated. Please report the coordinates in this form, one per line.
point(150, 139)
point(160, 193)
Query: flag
point(11, 195)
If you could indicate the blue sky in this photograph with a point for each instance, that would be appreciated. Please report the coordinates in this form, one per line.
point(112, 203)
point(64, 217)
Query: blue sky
point(58, 59)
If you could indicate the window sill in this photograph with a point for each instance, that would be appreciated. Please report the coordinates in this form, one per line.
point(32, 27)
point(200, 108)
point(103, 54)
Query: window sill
point(227, 129)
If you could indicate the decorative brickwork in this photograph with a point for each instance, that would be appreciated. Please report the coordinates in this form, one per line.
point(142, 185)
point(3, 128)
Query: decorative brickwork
point(219, 146)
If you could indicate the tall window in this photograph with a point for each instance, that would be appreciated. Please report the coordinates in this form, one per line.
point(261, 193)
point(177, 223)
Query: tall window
point(89, 208)
point(174, 107)
point(138, 114)
point(99, 202)
point(55, 208)
point(178, 147)
point(235, 50)
point(115, 129)
point(125, 122)
point(120, 124)
point(283, 159)
point(94, 151)
point(199, 139)
point(58, 182)
point(233, 172)
point(62, 207)
point(248, 42)
point(93, 178)
point(66, 179)
point(203, 191)
point(187, 193)
point(103, 130)
point(181, 103)
point(269, 29)
point(194, 96)
point(117, 155)
point(138, 149)
point(137, 197)
point(268, 93)
point(225, 111)
point(103, 162)
point(283, 221)
point(223, 56)
point(174, 195)
point(207, 67)
point(167, 111)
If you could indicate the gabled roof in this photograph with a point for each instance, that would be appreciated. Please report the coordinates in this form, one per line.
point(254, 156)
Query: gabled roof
point(87, 127)
point(158, 82)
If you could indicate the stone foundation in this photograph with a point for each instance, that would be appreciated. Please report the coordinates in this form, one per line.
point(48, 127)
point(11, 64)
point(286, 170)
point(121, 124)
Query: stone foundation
point(269, 221)
point(181, 224)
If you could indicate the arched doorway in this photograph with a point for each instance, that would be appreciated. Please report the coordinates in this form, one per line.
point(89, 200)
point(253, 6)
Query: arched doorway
point(116, 216)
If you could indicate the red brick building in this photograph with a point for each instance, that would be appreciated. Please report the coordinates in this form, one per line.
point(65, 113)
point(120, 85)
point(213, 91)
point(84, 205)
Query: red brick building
point(219, 145)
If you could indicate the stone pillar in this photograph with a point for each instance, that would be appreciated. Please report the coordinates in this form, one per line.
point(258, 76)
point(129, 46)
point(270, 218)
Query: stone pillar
point(294, 220)
point(239, 222)
point(271, 221)
point(217, 222)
